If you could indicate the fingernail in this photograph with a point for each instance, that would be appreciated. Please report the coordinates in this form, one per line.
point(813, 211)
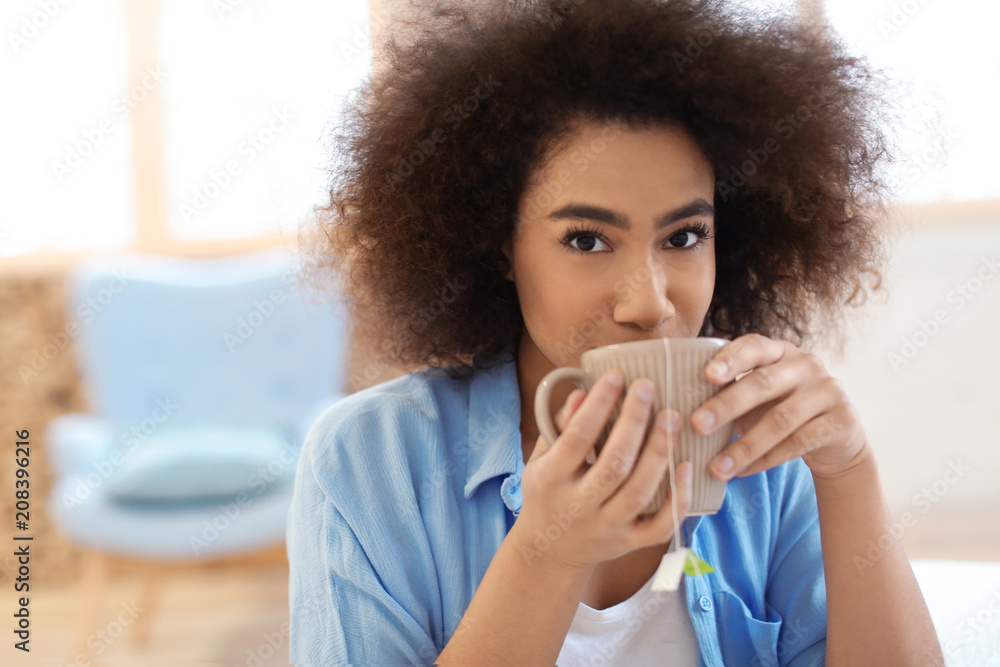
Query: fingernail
point(686, 474)
point(644, 390)
point(705, 418)
point(670, 421)
point(616, 378)
point(723, 465)
point(716, 369)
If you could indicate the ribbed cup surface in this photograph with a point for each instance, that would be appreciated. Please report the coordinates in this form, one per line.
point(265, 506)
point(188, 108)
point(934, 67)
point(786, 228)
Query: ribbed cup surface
point(676, 367)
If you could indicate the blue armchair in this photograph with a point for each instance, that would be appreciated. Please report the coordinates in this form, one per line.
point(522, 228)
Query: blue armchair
point(204, 376)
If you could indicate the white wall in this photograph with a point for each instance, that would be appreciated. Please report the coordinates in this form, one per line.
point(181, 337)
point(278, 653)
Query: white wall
point(939, 402)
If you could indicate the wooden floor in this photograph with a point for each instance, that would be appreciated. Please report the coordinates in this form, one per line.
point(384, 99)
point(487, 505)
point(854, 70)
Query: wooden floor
point(233, 613)
point(226, 614)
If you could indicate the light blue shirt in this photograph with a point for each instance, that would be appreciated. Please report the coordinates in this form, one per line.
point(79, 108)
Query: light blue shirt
point(405, 490)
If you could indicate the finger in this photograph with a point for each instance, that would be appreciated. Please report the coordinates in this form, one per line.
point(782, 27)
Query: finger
point(660, 527)
point(624, 442)
point(573, 402)
point(585, 427)
point(541, 447)
point(639, 488)
point(777, 424)
point(816, 433)
point(766, 383)
point(743, 354)
point(563, 415)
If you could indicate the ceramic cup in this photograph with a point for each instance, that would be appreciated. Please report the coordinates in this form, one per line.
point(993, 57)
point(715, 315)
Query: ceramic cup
point(677, 368)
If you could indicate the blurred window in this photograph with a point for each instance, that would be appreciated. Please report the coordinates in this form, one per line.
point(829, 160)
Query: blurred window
point(248, 87)
point(948, 52)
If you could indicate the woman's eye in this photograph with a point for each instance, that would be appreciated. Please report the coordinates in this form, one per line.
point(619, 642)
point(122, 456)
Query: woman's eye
point(586, 242)
point(677, 240)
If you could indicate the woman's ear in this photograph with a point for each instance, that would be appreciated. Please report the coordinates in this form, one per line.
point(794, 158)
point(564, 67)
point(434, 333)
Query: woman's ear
point(510, 260)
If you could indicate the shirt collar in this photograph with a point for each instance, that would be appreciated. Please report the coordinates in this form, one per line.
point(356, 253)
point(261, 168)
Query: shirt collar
point(494, 425)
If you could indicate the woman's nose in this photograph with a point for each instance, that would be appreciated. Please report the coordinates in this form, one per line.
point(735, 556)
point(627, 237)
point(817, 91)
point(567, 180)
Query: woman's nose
point(641, 297)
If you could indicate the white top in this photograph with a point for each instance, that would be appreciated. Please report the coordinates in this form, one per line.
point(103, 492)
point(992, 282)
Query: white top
point(649, 628)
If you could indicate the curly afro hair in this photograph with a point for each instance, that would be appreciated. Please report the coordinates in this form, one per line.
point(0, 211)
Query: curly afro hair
point(435, 149)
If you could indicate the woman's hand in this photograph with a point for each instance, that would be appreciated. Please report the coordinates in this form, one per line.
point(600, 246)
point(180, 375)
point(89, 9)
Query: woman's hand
point(577, 516)
point(788, 406)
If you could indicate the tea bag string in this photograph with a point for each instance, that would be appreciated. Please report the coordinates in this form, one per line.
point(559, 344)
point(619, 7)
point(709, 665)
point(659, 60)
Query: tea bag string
point(678, 537)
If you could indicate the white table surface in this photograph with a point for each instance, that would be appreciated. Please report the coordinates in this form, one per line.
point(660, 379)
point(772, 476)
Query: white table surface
point(964, 600)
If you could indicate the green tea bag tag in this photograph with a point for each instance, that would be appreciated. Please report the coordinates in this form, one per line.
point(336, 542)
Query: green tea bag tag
point(676, 563)
point(694, 566)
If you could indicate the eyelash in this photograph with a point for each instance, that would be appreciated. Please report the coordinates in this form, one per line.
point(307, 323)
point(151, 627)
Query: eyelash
point(700, 230)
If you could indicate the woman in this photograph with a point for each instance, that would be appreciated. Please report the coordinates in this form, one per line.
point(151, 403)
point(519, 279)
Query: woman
point(527, 182)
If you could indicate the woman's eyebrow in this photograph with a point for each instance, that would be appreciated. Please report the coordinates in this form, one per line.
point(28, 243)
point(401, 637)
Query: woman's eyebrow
point(693, 208)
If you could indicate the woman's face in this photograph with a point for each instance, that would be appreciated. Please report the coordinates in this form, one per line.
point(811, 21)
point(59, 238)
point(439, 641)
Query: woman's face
point(608, 246)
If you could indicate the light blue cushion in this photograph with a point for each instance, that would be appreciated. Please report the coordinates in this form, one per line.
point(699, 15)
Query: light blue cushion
point(201, 463)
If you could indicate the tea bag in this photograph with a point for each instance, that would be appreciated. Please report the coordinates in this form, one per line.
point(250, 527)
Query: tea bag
point(668, 575)
point(679, 560)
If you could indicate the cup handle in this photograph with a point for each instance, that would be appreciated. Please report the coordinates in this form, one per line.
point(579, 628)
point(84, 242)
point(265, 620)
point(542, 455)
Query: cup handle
point(543, 397)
